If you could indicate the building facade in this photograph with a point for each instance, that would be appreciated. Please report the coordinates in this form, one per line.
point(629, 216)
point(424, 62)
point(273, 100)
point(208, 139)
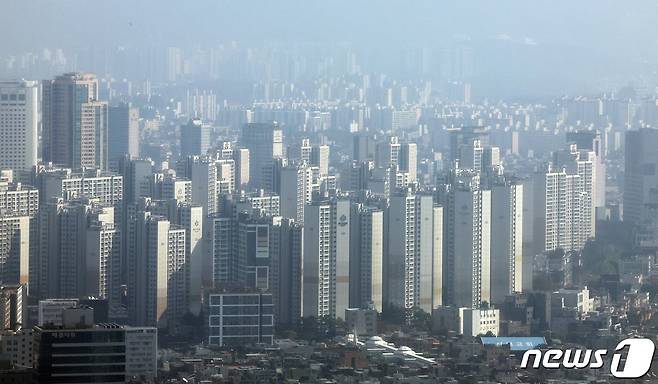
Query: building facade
point(240, 319)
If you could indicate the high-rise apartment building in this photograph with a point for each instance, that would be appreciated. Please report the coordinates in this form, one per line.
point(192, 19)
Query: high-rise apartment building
point(320, 158)
point(295, 190)
point(408, 160)
point(17, 199)
point(507, 264)
point(363, 147)
point(19, 123)
point(265, 143)
point(241, 158)
point(137, 176)
point(106, 188)
point(14, 249)
point(326, 261)
point(387, 153)
point(123, 133)
point(317, 265)
point(584, 163)
point(190, 217)
point(559, 204)
point(157, 280)
point(167, 187)
point(287, 271)
point(79, 251)
point(75, 122)
point(181, 215)
point(464, 136)
point(640, 182)
point(413, 253)
point(225, 176)
point(243, 247)
point(300, 153)
point(265, 204)
point(219, 246)
point(467, 264)
point(366, 257)
point(194, 138)
point(592, 141)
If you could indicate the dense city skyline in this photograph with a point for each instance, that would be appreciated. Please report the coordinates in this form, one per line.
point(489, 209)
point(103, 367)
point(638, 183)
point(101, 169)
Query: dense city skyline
point(246, 191)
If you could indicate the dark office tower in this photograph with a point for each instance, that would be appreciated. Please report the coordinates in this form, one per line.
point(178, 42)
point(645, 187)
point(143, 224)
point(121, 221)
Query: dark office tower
point(138, 178)
point(287, 271)
point(640, 176)
point(79, 351)
point(194, 138)
point(88, 344)
point(265, 143)
point(74, 122)
point(123, 133)
point(507, 266)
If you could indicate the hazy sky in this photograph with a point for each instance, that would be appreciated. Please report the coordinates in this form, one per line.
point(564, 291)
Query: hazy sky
point(26, 24)
point(578, 41)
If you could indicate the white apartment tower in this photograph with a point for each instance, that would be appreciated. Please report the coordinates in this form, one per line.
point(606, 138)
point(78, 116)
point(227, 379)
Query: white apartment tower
point(79, 250)
point(413, 256)
point(19, 121)
point(583, 163)
point(366, 257)
point(566, 206)
point(467, 264)
point(157, 283)
point(317, 261)
point(326, 259)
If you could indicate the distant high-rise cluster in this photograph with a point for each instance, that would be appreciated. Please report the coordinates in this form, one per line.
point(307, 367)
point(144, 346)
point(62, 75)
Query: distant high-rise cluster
point(254, 217)
point(334, 193)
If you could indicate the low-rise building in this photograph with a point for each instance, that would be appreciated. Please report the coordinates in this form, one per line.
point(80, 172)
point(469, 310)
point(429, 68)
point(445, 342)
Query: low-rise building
point(18, 347)
point(50, 310)
point(479, 321)
point(240, 318)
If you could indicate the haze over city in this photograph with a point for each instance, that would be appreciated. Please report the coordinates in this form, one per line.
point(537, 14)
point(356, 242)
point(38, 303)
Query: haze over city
point(522, 49)
point(328, 191)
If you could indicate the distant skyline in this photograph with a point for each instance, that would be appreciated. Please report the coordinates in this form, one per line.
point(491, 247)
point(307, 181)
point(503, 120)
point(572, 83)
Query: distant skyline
point(522, 48)
point(593, 23)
